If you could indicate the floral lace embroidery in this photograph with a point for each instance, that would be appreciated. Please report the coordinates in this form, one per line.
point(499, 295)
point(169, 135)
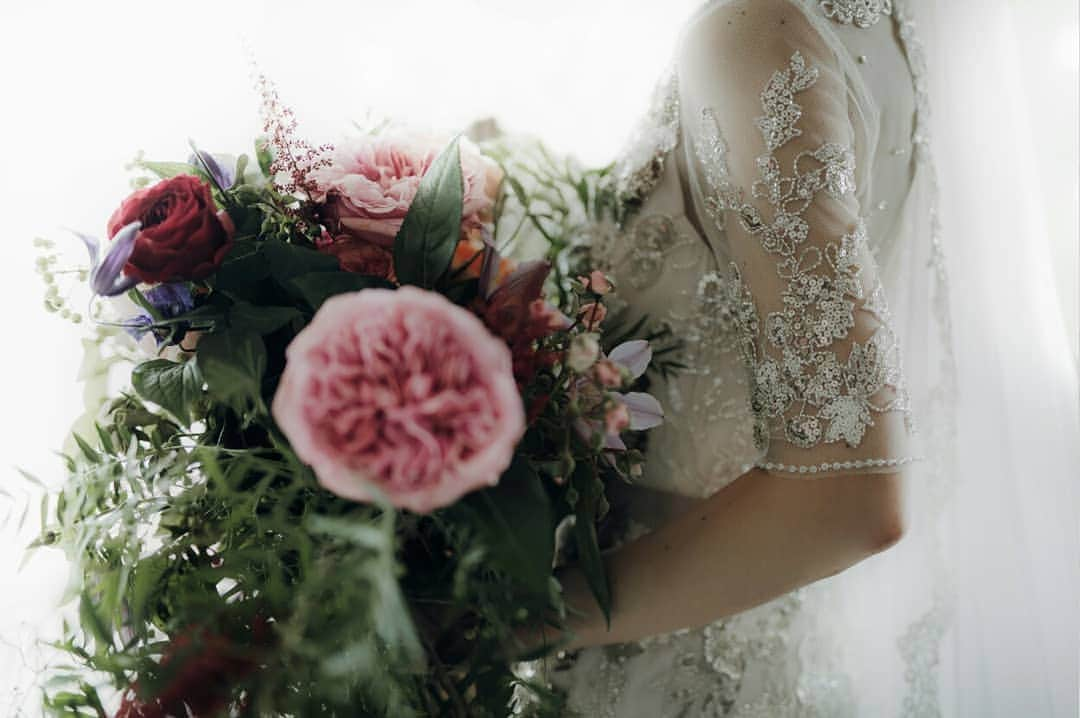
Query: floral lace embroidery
point(641, 164)
point(861, 13)
point(709, 317)
point(710, 666)
point(638, 254)
point(802, 388)
point(921, 644)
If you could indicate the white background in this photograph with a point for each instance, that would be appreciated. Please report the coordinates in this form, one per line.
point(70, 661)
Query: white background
point(83, 86)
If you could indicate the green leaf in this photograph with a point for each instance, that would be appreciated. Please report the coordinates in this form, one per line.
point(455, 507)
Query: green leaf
point(86, 449)
point(244, 265)
point(588, 546)
point(93, 622)
point(174, 386)
point(148, 573)
point(232, 363)
point(288, 260)
point(166, 170)
point(515, 520)
point(429, 234)
point(316, 287)
point(263, 320)
point(263, 155)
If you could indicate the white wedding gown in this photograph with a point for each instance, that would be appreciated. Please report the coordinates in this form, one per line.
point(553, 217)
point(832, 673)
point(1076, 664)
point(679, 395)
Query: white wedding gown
point(785, 225)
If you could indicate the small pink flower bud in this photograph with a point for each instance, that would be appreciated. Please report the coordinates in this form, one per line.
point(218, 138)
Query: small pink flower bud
point(591, 315)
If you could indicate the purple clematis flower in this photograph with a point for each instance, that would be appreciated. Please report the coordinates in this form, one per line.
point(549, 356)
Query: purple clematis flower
point(225, 177)
point(169, 300)
point(106, 277)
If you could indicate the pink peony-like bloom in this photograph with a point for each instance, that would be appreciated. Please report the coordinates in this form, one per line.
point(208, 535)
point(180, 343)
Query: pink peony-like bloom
point(400, 393)
point(370, 182)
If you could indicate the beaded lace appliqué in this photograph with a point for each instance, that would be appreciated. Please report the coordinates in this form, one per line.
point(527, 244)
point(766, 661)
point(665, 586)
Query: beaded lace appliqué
point(861, 13)
point(641, 164)
point(803, 389)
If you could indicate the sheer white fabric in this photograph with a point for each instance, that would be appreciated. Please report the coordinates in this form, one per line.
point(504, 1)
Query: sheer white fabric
point(787, 227)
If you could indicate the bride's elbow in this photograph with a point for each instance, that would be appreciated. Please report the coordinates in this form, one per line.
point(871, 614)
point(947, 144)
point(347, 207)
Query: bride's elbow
point(886, 533)
point(882, 513)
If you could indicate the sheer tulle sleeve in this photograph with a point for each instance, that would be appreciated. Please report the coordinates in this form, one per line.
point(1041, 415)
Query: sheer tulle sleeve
point(773, 163)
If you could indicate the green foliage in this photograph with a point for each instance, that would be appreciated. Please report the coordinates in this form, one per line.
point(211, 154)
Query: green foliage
point(233, 363)
point(589, 490)
point(210, 567)
point(429, 233)
point(174, 386)
point(316, 287)
point(515, 523)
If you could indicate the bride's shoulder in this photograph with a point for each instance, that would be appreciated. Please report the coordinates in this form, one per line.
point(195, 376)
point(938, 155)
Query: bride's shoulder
point(730, 31)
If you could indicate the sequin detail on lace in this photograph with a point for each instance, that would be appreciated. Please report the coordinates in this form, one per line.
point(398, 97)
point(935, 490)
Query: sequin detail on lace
point(641, 164)
point(803, 389)
point(861, 13)
point(638, 254)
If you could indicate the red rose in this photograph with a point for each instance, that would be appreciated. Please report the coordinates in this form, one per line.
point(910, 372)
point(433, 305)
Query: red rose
point(183, 237)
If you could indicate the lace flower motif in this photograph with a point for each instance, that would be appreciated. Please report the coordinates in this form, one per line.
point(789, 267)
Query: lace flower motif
point(802, 389)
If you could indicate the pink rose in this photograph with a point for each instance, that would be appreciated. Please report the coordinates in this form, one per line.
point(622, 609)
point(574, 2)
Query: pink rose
point(371, 181)
point(400, 393)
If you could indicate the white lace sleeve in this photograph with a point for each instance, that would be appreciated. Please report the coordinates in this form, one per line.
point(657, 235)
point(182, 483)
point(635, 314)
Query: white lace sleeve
point(773, 167)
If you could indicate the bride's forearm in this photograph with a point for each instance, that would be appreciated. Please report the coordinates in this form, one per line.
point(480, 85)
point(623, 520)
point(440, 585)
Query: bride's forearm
point(756, 539)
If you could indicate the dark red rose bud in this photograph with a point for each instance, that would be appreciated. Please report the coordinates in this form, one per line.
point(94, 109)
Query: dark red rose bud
point(182, 237)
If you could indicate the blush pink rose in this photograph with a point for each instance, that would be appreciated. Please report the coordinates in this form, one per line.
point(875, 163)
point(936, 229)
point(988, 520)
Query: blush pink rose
point(400, 393)
point(370, 182)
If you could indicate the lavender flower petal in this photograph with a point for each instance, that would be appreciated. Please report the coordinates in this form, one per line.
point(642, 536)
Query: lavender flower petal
point(223, 176)
point(645, 410)
point(170, 300)
point(588, 428)
point(93, 246)
point(633, 355)
point(106, 278)
point(138, 326)
point(613, 442)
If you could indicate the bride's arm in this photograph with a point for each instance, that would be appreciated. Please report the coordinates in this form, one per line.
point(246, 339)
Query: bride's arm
point(754, 540)
point(772, 147)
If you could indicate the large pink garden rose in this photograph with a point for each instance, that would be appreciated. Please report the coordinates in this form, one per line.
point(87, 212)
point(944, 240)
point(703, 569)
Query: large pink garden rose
point(370, 182)
point(402, 393)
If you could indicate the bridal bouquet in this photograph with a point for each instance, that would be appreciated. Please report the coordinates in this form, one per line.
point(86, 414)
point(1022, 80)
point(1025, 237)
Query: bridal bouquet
point(333, 485)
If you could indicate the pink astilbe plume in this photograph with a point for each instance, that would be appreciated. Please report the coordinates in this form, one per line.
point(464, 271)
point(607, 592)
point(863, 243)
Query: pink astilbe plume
point(294, 159)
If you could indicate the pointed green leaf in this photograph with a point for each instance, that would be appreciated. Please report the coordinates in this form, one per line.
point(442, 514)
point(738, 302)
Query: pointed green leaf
point(232, 363)
point(429, 234)
point(515, 519)
point(167, 170)
point(86, 449)
point(585, 537)
point(264, 155)
point(316, 287)
point(262, 319)
point(289, 260)
point(174, 386)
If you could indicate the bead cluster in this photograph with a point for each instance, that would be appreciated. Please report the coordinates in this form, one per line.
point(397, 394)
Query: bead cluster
point(836, 465)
